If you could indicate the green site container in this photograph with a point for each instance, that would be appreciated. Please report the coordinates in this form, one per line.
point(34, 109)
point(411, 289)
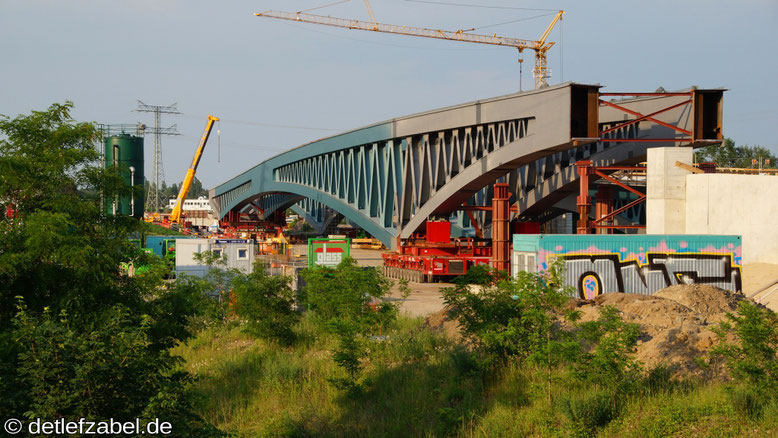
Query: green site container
point(126, 152)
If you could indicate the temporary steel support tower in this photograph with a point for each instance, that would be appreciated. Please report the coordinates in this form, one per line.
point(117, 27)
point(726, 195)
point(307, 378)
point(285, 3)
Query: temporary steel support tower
point(501, 235)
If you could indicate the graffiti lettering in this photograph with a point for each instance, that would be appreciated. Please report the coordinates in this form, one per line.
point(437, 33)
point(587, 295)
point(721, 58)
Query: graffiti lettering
point(595, 274)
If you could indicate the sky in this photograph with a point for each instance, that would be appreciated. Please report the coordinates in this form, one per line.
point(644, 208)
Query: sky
point(277, 84)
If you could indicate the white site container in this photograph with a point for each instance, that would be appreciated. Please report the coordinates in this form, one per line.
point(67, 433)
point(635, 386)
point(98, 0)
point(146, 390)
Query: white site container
point(238, 253)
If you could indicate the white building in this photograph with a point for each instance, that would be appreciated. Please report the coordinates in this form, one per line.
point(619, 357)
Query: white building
point(237, 253)
point(200, 204)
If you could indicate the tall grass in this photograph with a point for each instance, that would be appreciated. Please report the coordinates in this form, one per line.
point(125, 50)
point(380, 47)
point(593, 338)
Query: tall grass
point(421, 384)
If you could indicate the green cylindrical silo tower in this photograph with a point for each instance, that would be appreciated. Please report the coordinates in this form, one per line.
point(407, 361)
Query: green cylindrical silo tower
point(125, 152)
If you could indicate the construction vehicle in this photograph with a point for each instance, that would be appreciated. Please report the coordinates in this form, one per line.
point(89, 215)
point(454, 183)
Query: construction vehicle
point(175, 216)
point(540, 47)
point(437, 256)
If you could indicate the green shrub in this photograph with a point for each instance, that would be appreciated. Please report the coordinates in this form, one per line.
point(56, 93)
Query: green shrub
point(349, 302)
point(266, 303)
point(607, 359)
point(349, 292)
point(480, 275)
point(589, 411)
point(752, 357)
point(86, 340)
point(513, 319)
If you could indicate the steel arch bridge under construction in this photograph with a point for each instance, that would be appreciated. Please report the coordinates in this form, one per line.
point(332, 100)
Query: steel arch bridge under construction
point(390, 177)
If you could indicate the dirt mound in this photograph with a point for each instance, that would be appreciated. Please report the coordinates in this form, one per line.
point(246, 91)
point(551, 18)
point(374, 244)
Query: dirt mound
point(676, 323)
point(710, 302)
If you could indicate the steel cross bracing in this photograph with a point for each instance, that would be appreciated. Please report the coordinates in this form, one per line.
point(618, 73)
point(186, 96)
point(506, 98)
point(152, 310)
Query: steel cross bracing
point(388, 178)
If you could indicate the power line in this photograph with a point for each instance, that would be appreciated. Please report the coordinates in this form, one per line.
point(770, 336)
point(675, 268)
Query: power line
point(157, 171)
point(272, 125)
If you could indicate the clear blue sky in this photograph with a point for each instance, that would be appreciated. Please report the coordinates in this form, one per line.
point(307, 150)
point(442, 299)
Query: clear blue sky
point(277, 85)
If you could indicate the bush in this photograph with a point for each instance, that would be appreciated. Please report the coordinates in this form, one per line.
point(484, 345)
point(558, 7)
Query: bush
point(513, 319)
point(101, 371)
point(607, 359)
point(86, 340)
point(589, 411)
point(266, 303)
point(349, 292)
point(751, 358)
point(480, 275)
point(348, 301)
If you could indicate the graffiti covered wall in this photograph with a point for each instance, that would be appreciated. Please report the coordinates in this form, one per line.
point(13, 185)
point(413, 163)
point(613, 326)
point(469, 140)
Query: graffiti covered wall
point(597, 264)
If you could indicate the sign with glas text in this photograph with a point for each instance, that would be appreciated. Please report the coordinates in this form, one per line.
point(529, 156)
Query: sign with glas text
point(327, 252)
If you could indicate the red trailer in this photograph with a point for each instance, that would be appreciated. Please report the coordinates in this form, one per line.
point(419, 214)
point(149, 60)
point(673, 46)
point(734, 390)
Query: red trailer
point(437, 256)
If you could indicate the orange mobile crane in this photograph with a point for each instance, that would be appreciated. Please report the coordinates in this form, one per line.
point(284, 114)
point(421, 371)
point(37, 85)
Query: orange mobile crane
point(175, 216)
point(541, 47)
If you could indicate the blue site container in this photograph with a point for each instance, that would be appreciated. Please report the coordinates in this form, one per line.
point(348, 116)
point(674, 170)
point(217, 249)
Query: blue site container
point(157, 243)
point(632, 263)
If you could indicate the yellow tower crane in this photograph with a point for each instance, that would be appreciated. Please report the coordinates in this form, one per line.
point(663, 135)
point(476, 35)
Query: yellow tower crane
point(540, 47)
point(175, 216)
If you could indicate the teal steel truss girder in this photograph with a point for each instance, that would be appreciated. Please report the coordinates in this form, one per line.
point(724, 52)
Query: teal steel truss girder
point(388, 178)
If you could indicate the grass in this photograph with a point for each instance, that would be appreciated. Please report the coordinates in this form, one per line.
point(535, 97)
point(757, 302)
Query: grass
point(157, 230)
point(417, 383)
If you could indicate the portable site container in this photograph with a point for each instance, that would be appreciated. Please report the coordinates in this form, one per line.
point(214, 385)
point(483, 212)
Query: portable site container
point(157, 243)
point(238, 253)
point(632, 263)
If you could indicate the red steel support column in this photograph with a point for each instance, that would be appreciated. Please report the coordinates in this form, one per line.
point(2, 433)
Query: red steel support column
point(604, 206)
point(501, 227)
point(584, 200)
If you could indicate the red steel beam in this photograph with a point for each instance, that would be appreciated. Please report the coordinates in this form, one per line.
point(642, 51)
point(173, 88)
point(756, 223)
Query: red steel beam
point(482, 208)
point(637, 114)
point(501, 217)
point(583, 201)
point(617, 182)
point(649, 117)
point(688, 93)
point(646, 140)
point(474, 222)
point(621, 168)
point(624, 208)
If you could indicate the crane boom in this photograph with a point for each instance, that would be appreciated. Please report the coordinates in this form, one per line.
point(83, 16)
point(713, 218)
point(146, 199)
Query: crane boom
point(540, 47)
point(175, 216)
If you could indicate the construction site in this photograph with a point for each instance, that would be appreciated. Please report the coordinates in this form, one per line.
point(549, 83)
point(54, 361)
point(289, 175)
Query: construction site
point(390, 218)
point(605, 181)
point(426, 197)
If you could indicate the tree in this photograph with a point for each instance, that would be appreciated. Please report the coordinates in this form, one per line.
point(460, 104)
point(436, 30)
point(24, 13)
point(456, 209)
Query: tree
point(350, 302)
point(82, 340)
point(729, 155)
point(266, 303)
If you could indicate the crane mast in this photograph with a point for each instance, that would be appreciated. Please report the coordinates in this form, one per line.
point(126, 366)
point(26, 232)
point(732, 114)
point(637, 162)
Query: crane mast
point(175, 216)
point(540, 47)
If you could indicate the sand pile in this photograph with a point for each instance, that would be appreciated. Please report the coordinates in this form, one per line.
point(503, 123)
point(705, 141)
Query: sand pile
point(675, 322)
